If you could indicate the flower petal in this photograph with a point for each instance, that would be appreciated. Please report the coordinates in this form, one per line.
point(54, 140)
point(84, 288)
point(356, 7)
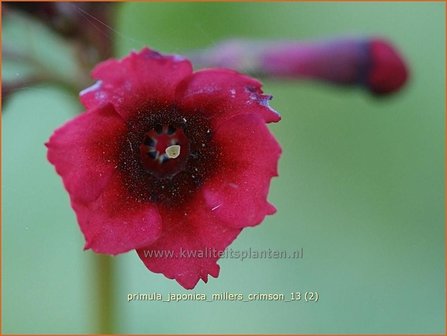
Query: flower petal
point(137, 80)
point(85, 155)
point(221, 94)
point(250, 153)
point(188, 247)
point(115, 222)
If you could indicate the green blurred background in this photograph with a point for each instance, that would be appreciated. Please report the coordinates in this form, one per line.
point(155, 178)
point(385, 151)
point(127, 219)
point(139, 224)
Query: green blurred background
point(361, 189)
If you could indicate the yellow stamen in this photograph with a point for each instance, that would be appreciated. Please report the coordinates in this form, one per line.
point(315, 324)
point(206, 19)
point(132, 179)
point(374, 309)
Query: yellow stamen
point(173, 151)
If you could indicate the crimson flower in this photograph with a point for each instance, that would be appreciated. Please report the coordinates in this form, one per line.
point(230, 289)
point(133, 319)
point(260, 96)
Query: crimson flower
point(167, 160)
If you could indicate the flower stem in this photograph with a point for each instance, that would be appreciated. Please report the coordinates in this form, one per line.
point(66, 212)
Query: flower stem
point(105, 303)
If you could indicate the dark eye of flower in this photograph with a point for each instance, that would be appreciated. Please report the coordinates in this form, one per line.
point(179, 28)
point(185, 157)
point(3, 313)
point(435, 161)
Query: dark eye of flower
point(165, 150)
point(167, 155)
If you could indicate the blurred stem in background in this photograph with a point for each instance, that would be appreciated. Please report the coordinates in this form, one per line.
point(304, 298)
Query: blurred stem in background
point(104, 269)
point(76, 36)
point(79, 23)
point(42, 74)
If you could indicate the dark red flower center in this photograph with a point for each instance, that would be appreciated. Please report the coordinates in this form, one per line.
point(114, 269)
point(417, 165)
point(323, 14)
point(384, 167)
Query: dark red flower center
point(165, 150)
point(167, 155)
